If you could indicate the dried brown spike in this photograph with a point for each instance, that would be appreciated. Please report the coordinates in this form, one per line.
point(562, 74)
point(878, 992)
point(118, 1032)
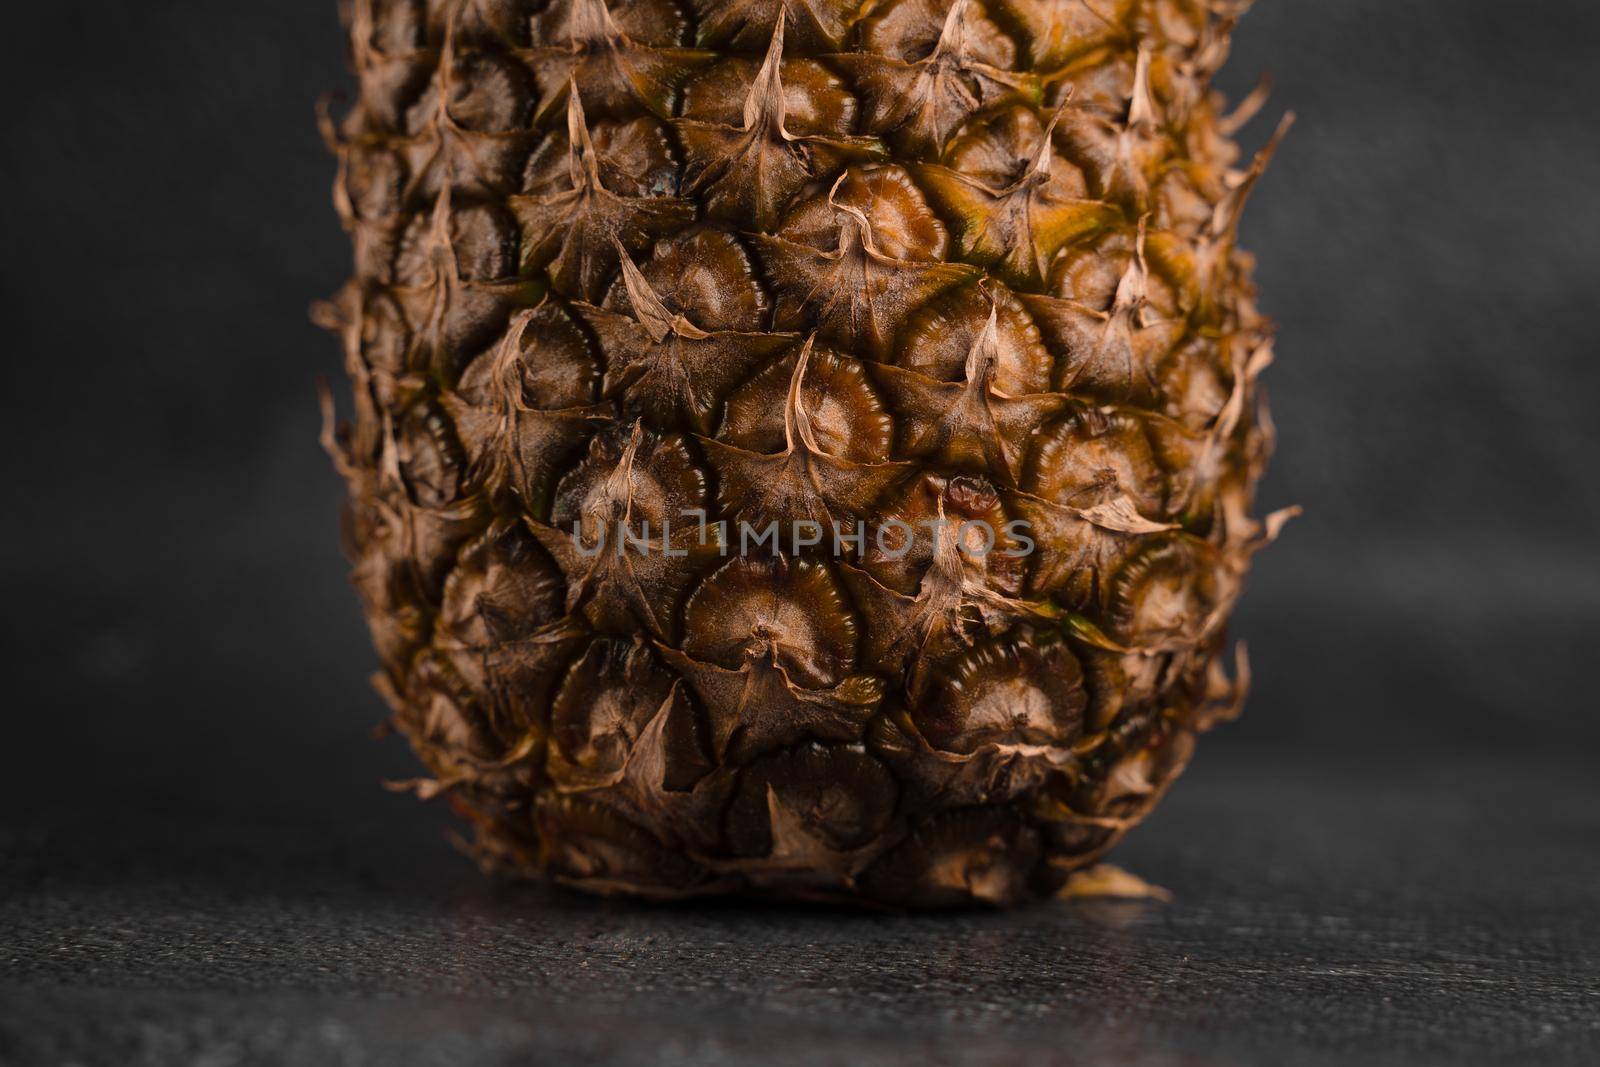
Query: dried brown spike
point(854, 296)
point(811, 799)
point(801, 483)
point(574, 234)
point(919, 103)
point(903, 226)
point(749, 173)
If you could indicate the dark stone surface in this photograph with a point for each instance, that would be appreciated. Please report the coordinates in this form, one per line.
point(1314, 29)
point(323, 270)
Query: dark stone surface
point(1327, 911)
point(1391, 859)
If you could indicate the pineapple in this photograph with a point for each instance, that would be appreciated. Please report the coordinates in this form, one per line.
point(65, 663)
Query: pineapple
point(799, 447)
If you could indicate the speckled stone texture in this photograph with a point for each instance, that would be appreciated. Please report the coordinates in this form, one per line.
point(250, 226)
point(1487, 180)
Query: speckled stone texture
point(1445, 916)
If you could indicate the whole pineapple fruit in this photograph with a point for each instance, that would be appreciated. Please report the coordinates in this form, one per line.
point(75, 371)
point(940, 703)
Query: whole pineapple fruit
point(800, 447)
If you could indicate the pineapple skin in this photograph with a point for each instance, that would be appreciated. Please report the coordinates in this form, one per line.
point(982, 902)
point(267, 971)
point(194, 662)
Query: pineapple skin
point(798, 260)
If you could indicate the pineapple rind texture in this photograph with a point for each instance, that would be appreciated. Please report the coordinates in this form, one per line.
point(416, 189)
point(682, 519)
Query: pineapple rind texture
point(803, 263)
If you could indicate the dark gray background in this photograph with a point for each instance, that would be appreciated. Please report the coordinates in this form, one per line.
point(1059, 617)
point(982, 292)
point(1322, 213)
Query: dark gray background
point(1389, 858)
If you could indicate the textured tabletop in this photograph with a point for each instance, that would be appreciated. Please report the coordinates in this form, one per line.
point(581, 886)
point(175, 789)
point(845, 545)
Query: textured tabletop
point(1324, 912)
